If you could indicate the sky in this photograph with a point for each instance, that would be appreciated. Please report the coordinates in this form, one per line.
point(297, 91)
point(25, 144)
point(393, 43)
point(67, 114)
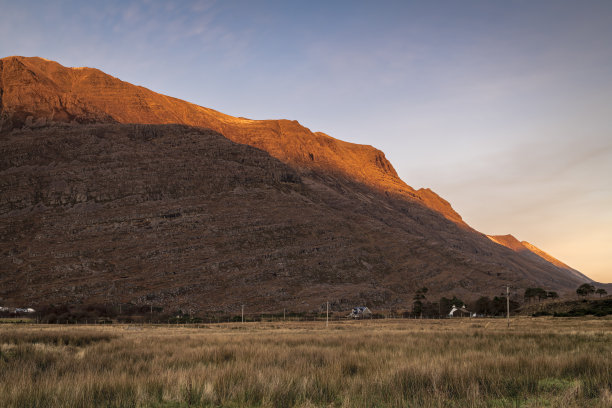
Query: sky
point(504, 108)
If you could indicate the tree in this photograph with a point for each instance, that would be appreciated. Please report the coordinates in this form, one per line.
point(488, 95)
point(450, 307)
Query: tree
point(601, 292)
point(528, 294)
point(498, 305)
point(552, 295)
point(482, 306)
point(585, 289)
point(541, 294)
point(417, 305)
point(430, 309)
point(531, 293)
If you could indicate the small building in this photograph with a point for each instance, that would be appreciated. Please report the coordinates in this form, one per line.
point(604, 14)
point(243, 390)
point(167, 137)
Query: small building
point(24, 310)
point(459, 312)
point(360, 312)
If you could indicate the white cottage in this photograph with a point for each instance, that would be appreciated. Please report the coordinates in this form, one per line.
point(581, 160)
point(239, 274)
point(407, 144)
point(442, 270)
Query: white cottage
point(459, 312)
point(360, 312)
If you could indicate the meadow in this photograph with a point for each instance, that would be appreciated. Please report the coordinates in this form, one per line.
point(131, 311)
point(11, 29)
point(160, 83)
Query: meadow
point(537, 362)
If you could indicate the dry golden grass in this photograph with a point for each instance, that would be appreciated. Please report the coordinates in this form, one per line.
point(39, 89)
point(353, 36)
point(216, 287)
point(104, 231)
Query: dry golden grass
point(394, 363)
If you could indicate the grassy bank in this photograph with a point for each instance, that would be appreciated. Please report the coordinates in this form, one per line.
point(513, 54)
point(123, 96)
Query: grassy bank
point(446, 363)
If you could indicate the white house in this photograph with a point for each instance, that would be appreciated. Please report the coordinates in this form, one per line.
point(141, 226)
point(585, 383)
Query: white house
point(360, 312)
point(459, 312)
point(24, 310)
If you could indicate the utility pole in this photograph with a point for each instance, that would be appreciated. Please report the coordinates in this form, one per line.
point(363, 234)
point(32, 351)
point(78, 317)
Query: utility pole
point(508, 304)
point(327, 315)
point(242, 313)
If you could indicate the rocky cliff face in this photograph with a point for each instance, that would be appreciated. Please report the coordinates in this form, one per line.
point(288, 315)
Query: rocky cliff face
point(216, 214)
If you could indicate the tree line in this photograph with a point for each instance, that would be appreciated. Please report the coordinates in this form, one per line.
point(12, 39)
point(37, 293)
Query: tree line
point(485, 305)
point(587, 289)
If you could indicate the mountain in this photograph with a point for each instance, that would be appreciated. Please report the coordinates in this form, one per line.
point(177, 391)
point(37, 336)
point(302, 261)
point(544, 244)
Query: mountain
point(534, 253)
point(35, 89)
point(110, 190)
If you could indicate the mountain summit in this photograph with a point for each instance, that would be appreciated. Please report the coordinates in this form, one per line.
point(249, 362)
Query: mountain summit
point(112, 191)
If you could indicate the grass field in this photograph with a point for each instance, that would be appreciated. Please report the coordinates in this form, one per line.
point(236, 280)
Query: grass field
point(538, 362)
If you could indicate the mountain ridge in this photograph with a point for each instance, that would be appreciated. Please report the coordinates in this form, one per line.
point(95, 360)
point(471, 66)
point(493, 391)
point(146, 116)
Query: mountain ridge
point(510, 242)
point(362, 162)
point(208, 213)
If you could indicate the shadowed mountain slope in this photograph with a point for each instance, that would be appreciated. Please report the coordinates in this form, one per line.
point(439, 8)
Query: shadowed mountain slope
point(219, 213)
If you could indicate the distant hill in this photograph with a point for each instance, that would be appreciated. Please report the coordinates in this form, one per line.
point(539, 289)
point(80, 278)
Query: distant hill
point(114, 193)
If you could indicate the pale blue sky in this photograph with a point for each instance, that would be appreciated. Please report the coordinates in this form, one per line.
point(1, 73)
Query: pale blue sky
point(502, 107)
